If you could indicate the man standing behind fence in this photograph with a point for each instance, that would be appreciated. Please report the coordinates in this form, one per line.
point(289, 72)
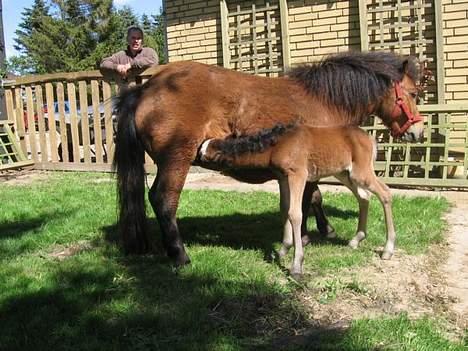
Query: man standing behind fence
point(131, 61)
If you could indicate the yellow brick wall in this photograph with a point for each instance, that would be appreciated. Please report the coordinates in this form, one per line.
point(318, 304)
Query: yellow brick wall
point(194, 31)
point(455, 18)
point(316, 28)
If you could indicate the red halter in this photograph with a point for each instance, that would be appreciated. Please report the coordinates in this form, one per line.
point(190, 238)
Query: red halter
point(402, 107)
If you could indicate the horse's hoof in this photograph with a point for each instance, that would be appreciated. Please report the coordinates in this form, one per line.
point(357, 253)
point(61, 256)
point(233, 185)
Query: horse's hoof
point(179, 256)
point(386, 255)
point(305, 240)
point(353, 244)
point(327, 231)
point(283, 251)
point(297, 276)
point(182, 259)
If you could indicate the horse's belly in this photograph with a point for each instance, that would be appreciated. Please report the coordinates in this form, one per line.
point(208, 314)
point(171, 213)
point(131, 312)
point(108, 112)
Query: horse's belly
point(250, 175)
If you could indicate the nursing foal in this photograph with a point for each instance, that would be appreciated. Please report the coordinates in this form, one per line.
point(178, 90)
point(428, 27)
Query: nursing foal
point(297, 154)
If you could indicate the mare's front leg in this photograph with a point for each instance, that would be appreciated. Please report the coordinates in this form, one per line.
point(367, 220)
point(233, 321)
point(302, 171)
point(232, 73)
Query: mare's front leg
point(164, 198)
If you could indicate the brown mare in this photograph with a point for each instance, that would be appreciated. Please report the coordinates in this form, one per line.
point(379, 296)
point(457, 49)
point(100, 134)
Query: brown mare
point(185, 103)
point(297, 155)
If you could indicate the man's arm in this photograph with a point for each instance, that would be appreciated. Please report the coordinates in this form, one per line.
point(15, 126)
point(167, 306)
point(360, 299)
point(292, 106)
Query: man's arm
point(110, 65)
point(146, 58)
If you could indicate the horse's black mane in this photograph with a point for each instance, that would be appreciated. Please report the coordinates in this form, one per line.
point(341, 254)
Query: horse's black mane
point(353, 80)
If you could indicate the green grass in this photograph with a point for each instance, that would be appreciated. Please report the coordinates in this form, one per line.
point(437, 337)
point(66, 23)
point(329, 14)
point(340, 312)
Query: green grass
point(230, 298)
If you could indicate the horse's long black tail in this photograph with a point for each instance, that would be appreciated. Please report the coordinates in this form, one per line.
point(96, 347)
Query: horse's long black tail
point(129, 164)
point(235, 146)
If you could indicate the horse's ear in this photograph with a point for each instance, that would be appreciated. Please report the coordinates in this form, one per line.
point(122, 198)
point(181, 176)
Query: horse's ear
point(404, 66)
point(426, 77)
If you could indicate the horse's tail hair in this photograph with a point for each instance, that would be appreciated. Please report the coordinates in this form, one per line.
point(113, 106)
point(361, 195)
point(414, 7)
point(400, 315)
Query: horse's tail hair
point(233, 146)
point(128, 163)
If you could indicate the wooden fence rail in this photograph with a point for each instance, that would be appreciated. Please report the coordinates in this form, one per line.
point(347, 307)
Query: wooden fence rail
point(66, 122)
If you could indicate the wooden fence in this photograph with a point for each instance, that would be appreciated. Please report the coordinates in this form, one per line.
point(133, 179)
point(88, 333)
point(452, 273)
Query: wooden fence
point(66, 122)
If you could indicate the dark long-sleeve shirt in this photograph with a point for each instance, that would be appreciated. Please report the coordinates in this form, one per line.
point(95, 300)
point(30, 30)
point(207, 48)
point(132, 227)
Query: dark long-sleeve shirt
point(145, 58)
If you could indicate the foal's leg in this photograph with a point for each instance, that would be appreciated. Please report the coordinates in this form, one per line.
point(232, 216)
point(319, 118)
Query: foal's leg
point(164, 198)
point(383, 193)
point(362, 222)
point(284, 208)
point(372, 183)
point(306, 203)
point(296, 184)
point(362, 197)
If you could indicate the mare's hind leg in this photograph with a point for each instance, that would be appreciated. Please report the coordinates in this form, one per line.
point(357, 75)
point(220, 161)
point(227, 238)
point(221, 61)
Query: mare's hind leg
point(313, 197)
point(321, 219)
point(164, 198)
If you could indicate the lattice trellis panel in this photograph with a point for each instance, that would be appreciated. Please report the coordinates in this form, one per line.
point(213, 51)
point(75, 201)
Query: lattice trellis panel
point(399, 25)
point(11, 155)
point(252, 37)
point(442, 160)
point(408, 27)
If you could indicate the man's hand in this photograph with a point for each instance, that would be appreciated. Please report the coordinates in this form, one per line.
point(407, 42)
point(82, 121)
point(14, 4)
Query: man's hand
point(123, 69)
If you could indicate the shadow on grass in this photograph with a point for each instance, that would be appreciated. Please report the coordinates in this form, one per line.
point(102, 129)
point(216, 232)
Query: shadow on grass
point(12, 231)
point(90, 307)
point(237, 231)
point(339, 213)
point(21, 227)
point(18, 229)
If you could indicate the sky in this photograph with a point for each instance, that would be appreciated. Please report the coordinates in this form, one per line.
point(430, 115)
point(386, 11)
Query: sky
point(12, 10)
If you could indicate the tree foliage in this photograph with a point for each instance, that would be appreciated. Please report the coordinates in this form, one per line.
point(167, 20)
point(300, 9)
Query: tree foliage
point(74, 35)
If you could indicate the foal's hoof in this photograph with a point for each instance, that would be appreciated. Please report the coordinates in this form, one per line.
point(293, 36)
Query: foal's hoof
point(386, 255)
point(297, 276)
point(331, 235)
point(353, 244)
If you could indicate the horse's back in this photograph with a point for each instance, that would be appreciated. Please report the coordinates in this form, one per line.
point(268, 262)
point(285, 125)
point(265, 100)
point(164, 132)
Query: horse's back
point(188, 102)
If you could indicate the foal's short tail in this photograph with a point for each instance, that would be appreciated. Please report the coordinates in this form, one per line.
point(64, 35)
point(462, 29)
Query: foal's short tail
point(129, 164)
point(224, 150)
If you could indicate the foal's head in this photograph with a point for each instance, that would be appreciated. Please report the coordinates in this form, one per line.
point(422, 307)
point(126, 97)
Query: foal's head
point(399, 112)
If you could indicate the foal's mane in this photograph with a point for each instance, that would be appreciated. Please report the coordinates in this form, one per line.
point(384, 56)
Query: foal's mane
point(352, 81)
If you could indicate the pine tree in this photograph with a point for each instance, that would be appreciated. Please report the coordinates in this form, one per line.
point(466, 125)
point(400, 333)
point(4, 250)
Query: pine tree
point(74, 35)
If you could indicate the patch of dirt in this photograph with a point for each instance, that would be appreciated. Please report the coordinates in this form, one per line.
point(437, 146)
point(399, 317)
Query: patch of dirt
point(403, 284)
point(62, 252)
point(456, 266)
point(22, 177)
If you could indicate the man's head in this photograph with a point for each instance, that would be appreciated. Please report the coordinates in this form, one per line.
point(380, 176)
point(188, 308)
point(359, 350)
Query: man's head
point(135, 39)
